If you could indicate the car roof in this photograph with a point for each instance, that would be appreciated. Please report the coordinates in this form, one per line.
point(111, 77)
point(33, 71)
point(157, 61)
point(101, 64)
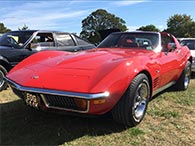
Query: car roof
point(152, 32)
point(43, 31)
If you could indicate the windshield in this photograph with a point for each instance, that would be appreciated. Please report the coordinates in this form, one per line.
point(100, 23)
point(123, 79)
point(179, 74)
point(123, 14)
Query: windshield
point(131, 40)
point(189, 43)
point(15, 39)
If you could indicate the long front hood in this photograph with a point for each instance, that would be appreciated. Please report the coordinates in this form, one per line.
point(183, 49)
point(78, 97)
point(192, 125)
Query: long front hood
point(78, 72)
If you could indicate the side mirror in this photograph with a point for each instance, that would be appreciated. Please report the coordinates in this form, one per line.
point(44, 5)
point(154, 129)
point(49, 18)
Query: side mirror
point(171, 46)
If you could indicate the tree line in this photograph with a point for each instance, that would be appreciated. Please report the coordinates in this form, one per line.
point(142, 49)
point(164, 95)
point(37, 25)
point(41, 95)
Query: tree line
point(180, 25)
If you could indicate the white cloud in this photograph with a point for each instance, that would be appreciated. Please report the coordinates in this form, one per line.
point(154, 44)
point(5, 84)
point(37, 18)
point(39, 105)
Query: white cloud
point(127, 2)
point(161, 27)
point(132, 28)
point(42, 15)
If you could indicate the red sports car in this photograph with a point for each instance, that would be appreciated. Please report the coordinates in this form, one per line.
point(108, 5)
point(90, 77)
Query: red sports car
point(120, 76)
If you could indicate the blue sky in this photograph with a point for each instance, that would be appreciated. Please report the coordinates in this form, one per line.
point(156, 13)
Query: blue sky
point(67, 15)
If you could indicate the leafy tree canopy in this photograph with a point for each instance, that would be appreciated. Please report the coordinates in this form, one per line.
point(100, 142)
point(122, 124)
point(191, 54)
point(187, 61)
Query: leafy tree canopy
point(149, 28)
point(97, 21)
point(3, 29)
point(181, 26)
point(24, 27)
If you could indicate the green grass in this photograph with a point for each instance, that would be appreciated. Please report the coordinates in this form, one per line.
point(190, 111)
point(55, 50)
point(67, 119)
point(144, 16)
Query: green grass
point(163, 113)
point(135, 131)
point(169, 121)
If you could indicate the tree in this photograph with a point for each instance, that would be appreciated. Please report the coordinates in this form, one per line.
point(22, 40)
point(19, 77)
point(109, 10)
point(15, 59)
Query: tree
point(25, 27)
point(97, 21)
point(3, 29)
point(149, 28)
point(181, 26)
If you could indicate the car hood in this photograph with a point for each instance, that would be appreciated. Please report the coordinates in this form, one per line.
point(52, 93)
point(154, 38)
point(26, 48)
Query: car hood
point(78, 72)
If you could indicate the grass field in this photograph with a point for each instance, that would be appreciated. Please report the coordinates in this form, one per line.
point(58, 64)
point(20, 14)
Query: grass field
point(169, 121)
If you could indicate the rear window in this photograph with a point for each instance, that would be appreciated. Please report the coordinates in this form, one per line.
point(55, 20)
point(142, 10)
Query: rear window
point(80, 41)
point(64, 40)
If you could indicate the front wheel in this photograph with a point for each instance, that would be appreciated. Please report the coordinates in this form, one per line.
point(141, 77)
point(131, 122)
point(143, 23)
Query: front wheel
point(131, 108)
point(3, 72)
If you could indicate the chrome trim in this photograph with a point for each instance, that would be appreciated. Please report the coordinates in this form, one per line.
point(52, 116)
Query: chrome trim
point(65, 109)
point(163, 88)
point(56, 92)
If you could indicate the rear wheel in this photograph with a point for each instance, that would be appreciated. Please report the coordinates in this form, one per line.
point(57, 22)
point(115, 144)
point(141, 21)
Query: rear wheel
point(3, 72)
point(131, 108)
point(184, 80)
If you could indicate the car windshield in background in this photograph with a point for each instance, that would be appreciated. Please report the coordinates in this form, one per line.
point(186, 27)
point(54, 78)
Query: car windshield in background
point(15, 39)
point(144, 40)
point(189, 43)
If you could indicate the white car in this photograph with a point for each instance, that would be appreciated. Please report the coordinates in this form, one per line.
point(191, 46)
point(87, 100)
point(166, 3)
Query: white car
point(190, 42)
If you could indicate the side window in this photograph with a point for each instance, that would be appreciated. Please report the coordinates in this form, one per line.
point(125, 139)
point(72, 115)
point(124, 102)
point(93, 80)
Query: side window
point(165, 40)
point(64, 40)
point(42, 39)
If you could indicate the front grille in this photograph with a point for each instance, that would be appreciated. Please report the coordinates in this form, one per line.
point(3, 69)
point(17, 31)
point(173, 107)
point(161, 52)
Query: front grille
point(60, 101)
point(50, 101)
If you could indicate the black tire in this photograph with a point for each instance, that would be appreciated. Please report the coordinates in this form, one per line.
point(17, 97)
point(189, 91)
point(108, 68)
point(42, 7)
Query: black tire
point(184, 80)
point(131, 108)
point(3, 72)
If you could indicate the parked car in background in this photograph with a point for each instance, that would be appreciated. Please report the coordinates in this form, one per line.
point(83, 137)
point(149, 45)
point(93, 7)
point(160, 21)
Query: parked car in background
point(120, 76)
point(190, 42)
point(17, 45)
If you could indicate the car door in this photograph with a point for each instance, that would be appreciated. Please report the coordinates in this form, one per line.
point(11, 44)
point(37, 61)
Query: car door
point(168, 61)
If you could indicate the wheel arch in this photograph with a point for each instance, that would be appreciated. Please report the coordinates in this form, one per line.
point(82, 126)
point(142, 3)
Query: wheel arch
point(149, 78)
point(5, 63)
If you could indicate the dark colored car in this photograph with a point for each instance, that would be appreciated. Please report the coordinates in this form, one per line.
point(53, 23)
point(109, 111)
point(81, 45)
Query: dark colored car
point(17, 45)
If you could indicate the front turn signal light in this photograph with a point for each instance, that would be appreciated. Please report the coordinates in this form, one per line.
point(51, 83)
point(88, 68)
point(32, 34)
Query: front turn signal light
point(81, 103)
point(99, 101)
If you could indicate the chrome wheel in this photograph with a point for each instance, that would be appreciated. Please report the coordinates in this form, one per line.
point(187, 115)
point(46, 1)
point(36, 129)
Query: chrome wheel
point(1, 79)
point(187, 77)
point(184, 80)
point(3, 72)
point(141, 99)
point(132, 106)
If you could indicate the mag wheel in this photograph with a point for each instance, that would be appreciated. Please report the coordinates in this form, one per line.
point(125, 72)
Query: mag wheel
point(184, 80)
point(131, 108)
point(3, 72)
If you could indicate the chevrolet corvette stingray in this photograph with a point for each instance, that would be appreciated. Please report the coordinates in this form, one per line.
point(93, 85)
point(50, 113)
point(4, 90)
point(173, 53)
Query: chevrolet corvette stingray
point(120, 76)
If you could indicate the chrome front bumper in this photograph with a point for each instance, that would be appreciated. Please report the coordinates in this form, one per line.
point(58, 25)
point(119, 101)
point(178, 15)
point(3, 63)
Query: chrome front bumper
point(33, 95)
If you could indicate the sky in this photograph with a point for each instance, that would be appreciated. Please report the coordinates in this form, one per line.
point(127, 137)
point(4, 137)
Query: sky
point(67, 15)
